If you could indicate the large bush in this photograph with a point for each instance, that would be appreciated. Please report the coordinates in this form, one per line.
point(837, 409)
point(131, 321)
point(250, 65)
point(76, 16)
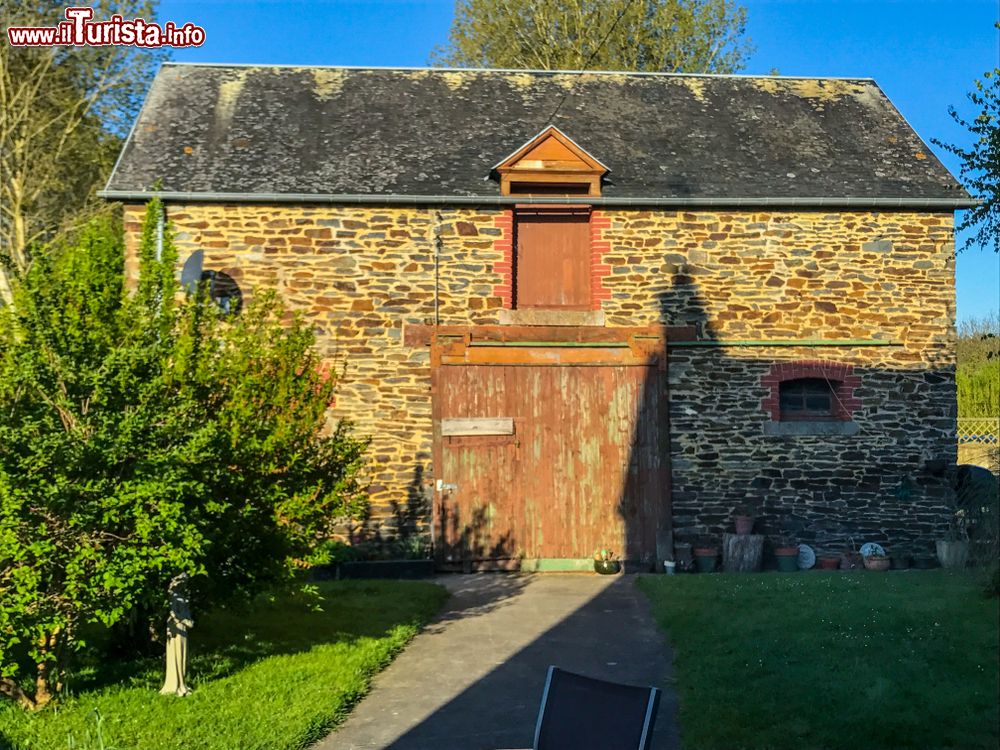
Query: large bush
point(143, 435)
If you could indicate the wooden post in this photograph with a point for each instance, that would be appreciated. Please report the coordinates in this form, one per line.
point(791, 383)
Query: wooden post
point(742, 553)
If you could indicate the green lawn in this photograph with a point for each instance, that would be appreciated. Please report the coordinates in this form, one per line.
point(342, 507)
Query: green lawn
point(832, 660)
point(279, 676)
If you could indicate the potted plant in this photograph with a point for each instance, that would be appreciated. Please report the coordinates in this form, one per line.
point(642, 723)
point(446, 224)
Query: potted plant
point(743, 518)
point(850, 558)
point(828, 562)
point(705, 556)
point(786, 553)
point(953, 550)
point(876, 562)
point(605, 562)
point(683, 558)
point(901, 559)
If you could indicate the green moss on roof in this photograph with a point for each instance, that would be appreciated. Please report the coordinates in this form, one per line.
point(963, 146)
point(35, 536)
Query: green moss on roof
point(249, 129)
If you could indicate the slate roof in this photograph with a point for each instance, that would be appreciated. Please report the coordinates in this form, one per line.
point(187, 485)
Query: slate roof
point(256, 131)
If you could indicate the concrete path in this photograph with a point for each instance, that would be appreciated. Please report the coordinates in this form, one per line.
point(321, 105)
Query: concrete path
point(473, 679)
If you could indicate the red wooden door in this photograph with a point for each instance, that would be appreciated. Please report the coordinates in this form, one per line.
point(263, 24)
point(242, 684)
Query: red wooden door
point(585, 467)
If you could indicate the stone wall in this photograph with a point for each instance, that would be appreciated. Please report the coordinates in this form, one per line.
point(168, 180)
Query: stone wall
point(812, 275)
point(872, 485)
point(360, 274)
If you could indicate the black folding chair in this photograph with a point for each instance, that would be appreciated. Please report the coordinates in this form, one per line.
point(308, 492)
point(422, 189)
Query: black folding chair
point(581, 713)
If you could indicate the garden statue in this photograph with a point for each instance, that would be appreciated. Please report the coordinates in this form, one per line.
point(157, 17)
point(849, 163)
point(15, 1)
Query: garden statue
point(178, 622)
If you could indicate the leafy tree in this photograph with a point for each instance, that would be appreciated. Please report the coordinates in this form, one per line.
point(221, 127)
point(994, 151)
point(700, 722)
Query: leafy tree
point(63, 114)
point(980, 168)
point(978, 372)
point(690, 36)
point(143, 436)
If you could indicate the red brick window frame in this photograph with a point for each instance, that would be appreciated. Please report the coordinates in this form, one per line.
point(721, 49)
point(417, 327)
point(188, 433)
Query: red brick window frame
point(841, 377)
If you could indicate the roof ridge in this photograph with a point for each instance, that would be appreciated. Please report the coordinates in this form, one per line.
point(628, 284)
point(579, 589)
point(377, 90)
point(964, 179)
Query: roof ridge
point(530, 71)
point(345, 132)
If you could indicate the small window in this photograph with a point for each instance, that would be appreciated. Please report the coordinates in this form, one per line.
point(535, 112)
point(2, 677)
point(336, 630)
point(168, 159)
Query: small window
point(223, 291)
point(807, 399)
point(549, 188)
point(220, 286)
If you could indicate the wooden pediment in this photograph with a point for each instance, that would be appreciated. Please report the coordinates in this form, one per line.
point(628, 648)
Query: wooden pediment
point(551, 163)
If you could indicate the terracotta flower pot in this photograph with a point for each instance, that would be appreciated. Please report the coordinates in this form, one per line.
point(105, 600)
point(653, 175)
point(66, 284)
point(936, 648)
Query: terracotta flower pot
point(788, 559)
point(829, 562)
point(744, 524)
point(706, 558)
point(877, 562)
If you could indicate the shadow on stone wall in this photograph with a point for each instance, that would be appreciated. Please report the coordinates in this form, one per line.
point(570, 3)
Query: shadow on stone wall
point(699, 450)
point(404, 531)
point(823, 490)
point(879, 485)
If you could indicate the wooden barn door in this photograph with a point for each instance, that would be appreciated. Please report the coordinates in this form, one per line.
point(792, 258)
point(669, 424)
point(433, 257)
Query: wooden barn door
point(549, 462)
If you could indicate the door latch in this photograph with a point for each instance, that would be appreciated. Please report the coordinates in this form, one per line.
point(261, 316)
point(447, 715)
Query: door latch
point(443, 486)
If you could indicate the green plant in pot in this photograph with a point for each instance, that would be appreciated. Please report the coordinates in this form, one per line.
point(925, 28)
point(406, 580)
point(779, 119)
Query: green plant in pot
point(786, 552)
point(850, 558)
point(706, 555)
point(606, 563)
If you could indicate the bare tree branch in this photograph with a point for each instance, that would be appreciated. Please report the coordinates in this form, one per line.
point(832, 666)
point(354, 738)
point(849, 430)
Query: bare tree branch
point(62, 115)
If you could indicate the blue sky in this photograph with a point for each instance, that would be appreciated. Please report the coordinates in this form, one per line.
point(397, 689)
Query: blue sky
point(924, 54)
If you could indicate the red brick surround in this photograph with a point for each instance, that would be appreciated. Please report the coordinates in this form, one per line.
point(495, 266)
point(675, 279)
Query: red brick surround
point(598, 269)
point(841, 377)
point(504, 244)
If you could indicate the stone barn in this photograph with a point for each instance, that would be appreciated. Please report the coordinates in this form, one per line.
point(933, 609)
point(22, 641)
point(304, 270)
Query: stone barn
point(584, 309)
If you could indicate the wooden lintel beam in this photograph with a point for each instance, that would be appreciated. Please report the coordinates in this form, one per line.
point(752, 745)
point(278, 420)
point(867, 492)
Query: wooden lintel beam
point(423, 335)
point(489, 355)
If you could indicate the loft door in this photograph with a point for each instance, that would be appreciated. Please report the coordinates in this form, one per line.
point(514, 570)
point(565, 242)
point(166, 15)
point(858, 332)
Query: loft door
point(553, 259)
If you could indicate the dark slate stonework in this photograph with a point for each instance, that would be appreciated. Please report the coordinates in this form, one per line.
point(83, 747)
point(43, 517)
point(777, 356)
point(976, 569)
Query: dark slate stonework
point(820, 490)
